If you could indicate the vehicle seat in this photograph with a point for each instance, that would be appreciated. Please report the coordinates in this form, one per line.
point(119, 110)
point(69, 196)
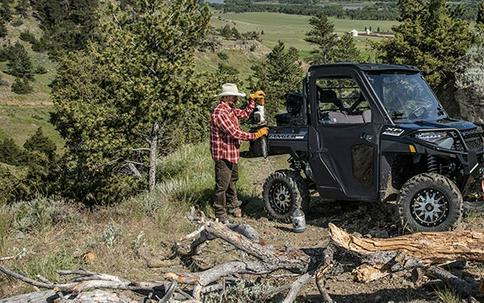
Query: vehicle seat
point(367, 116)
point(337, 117)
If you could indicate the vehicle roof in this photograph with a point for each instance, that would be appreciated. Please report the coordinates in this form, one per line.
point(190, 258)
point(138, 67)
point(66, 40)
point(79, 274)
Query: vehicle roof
point(368, 67)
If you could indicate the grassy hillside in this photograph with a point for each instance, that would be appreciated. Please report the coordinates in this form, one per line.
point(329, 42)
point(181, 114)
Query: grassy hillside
point(21, 115)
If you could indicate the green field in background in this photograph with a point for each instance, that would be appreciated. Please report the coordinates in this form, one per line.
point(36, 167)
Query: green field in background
point(291, 29)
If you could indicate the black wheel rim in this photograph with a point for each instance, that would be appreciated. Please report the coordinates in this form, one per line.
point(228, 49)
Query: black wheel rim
point(429, 207)
point(280, 198)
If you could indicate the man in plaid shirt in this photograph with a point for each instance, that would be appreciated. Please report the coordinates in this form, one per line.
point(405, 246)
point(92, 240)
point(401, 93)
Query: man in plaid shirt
point(225, 137)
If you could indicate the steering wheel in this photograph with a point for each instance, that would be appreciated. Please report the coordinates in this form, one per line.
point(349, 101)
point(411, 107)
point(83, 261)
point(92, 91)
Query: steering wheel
point(418, 112)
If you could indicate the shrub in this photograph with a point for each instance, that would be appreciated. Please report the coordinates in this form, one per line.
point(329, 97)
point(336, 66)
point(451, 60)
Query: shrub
point(40, 70)
point(223, 56)
point(17, 22)
point(21, 86)
point(38, 142)
point(3, 82)
point(27, 36)
point(5, 219)
point(11, 153)
point(49, 264)
point(3, 30)
point(19, 63)
point(40, 45)
point(39, 214)
point(11, 187)
point(111, 234)
point(4, 53)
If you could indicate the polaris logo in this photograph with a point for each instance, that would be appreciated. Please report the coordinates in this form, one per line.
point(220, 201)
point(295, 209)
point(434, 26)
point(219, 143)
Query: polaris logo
point(286, 136)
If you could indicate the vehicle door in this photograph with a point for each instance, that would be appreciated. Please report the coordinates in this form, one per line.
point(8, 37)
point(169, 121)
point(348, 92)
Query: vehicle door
point(344, 136)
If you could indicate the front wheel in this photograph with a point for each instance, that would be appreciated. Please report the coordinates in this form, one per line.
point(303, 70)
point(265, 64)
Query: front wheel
point(284, 191)
point(430, 202)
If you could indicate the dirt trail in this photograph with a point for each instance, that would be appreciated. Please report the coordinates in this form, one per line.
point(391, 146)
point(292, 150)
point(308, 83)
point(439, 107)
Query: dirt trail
point(369, 219)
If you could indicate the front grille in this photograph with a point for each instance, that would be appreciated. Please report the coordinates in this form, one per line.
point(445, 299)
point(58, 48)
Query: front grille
point(473, 139)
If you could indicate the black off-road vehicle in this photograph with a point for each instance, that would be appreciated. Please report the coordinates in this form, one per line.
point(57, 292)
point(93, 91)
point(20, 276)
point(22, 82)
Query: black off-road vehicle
point(370, 132)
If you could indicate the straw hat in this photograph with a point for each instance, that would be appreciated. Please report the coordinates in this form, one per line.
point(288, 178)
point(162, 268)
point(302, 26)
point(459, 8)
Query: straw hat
point(230, 89)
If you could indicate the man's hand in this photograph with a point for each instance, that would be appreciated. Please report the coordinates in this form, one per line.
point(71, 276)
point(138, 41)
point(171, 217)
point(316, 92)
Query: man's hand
point(261, 132)
point(258, 96)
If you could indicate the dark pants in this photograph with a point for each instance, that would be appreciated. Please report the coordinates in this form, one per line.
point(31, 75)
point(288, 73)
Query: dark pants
point(226, 176)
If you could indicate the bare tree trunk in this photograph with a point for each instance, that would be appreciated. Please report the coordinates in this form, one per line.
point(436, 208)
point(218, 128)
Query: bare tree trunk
point(153, 155)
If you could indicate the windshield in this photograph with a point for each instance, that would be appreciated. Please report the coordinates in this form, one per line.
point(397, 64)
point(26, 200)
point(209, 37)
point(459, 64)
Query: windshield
point(406, 96)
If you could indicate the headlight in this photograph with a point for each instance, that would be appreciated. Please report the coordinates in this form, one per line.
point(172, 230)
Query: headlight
point(444, 139)
point(431, 136)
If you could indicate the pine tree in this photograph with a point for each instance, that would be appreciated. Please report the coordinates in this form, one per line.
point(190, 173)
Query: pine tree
point(411, 9)
point(322, 36)
point(22, 8)
point(480, 14)
point(21, 86)
point(346, 50)
point(3, 29)
point(5, 10)
point(11, 153)
point(136, 85)
point(68, 24)
point(19, 64)
point(38, 142)
point(280, 73)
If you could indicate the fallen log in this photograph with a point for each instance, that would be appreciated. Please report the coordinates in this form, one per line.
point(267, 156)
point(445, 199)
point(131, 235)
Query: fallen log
point(424, 250)
point(428, 247)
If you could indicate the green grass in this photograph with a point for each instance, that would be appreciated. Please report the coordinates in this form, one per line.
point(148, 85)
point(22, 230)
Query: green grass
point(21, 121)
point(292, 28)
point(41, 93)
point(240, 59)
point(21, 115)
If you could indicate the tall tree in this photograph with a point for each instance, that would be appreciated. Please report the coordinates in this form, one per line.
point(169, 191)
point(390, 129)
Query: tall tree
point(280, 73)
point(38, 142)
point(433, 41)
point(322, 36)
point(136, 85)
point(346, 50)
point(68, 24)
point(480, 14)
point(19, 63)
point(411, 9)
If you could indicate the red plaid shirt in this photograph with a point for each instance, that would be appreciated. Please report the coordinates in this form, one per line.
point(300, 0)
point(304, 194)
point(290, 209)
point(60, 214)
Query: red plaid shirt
point(225, 133)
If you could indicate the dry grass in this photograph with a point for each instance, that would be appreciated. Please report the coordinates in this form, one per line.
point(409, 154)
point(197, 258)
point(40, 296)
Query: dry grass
point(58, 234)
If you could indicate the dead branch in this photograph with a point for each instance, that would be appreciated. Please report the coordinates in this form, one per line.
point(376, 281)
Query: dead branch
point(95, 296)
point(296, 287)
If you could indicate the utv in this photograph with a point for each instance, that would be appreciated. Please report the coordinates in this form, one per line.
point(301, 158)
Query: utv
point(372, 132)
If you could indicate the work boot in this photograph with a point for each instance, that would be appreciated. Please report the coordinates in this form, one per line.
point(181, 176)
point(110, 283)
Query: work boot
point(236, 212)
point(223, 220)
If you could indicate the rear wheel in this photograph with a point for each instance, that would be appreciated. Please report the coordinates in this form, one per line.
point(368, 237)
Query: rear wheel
point(430, 202)
point(284, 191)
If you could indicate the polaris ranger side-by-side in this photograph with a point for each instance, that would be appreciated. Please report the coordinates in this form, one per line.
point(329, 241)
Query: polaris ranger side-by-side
point(371, 132)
